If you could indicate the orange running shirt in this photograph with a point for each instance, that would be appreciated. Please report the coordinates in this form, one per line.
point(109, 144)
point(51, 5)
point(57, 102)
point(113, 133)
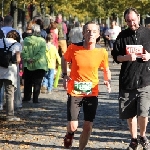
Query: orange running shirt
point(84, 68)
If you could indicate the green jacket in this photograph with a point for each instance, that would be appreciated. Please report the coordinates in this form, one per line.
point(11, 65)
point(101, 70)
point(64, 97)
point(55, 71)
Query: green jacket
point(52, 55)
point(34, 48)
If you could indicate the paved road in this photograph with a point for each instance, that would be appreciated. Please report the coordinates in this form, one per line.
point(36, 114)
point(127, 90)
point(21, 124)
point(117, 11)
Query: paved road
point(43, 125)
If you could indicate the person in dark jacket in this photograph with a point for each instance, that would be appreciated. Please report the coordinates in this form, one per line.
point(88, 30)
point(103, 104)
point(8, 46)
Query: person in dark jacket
point(132, 49)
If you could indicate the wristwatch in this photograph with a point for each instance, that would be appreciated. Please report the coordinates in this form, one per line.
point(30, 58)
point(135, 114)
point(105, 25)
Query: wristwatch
point(63, 75)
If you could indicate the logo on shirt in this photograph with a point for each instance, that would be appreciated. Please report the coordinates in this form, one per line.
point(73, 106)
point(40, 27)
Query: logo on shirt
point(134, 49)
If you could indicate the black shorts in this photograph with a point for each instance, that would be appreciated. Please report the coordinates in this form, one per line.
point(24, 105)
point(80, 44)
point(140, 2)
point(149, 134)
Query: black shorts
point(134, 103)
point(89, 107)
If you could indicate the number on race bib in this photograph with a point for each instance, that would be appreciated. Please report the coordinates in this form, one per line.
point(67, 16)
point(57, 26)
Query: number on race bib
point(83, 87)
point(134, 49)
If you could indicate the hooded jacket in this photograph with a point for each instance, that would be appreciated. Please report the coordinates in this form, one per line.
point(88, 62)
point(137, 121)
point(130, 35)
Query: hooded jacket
point(34, 48)
point(52, 55)
point(133, 74)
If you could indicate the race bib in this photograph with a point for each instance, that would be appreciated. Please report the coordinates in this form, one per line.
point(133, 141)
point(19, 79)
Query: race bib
point(83, 87)
point(136, 49)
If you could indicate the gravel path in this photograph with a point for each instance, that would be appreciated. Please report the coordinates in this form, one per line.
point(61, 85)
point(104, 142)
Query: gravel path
point(43, 125)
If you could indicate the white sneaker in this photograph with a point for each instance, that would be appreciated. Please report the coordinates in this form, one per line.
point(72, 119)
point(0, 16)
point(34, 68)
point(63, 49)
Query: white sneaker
point(12, 118)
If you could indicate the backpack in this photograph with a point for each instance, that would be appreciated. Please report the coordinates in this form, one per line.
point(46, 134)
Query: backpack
point(1, 34)
point(6, 58)
point(60, 30)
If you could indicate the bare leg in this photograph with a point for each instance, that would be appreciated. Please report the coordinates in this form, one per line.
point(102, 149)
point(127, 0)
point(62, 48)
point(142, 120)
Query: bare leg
point(132, 123)
point(142, 121)
point(85, 135)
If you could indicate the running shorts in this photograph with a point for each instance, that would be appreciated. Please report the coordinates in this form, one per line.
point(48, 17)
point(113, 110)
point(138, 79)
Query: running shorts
point(89, 107)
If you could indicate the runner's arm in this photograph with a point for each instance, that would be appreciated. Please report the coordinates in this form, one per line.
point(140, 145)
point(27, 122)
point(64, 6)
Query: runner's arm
point(107, 74)
point(107, 79)
point(105, 66)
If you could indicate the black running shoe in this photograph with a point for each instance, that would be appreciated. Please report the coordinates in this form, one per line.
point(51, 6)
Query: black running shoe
point(144, 142)
point(133, 145)
point(68, 141)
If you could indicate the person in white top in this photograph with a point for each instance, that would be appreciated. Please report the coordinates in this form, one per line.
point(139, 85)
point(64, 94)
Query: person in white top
point(8, 23)
point(8, 76)
point(112, 33)
point(118, 27)
point(75, 34)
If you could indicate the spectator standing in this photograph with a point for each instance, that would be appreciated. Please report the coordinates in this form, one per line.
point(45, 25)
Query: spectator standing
point(8, 22)
point(36, 64)
point(43, 31)
point(54, 33)
point(8, 76)
point(52, 55)
point(75, 34)
point(62, 31)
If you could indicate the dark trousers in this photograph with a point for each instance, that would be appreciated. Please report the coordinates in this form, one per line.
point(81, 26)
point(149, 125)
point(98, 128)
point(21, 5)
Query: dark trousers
point(32, 78)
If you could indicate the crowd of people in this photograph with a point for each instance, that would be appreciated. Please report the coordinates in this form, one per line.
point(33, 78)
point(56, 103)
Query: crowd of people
point(41, 48)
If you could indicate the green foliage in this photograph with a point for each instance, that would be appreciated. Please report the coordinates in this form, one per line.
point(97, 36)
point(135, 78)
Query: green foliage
point(86, 9)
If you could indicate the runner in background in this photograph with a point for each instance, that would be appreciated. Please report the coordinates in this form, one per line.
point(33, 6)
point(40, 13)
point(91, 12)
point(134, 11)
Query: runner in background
point(111, 34)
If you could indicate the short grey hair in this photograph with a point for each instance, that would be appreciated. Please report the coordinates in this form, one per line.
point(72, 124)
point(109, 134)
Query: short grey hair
point(36, 30)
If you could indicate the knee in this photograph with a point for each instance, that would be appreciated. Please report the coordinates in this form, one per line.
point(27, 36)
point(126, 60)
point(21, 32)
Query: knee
point(87, 126)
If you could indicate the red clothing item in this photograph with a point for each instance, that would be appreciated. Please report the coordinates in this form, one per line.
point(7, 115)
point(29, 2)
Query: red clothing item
point(55, 38)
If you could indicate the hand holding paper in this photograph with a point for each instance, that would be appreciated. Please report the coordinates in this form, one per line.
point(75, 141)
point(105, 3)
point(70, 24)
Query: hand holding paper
point(146, 56)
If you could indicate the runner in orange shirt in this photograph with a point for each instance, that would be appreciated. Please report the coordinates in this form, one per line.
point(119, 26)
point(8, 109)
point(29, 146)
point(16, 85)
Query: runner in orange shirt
point(82, 83)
